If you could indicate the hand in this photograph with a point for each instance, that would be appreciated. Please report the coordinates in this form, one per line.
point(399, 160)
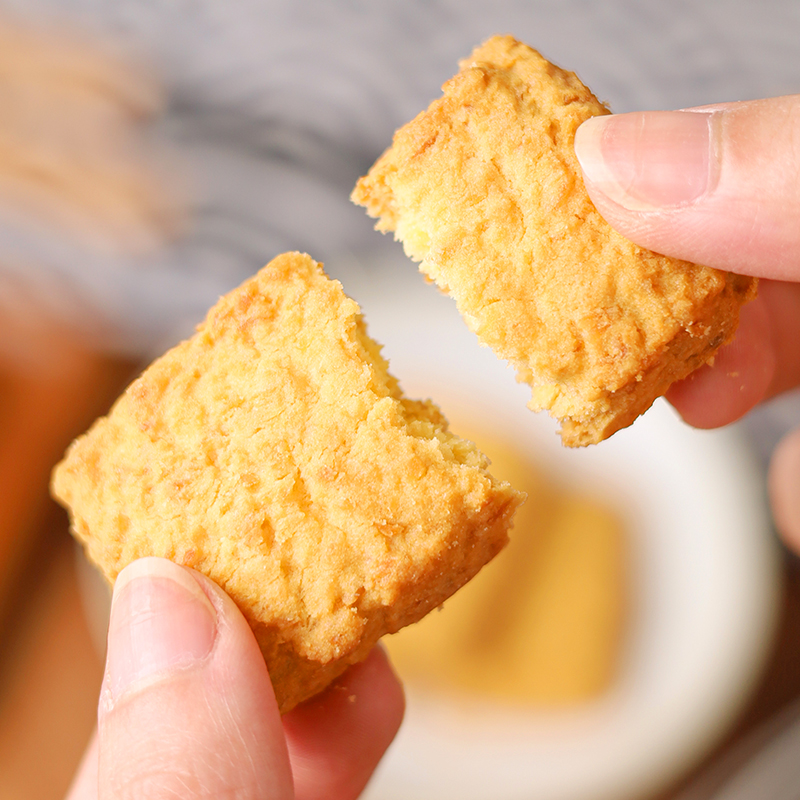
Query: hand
point(187, 709)
point(720, 186)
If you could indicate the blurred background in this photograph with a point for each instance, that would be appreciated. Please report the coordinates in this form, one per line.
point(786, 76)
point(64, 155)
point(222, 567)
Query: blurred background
point(644, 641)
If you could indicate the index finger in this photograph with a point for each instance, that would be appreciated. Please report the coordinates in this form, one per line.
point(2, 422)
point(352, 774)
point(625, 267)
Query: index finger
point(336, 739)
point(762, 361)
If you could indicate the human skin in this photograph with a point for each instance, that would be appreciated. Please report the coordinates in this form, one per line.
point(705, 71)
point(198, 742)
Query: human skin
point(187, 708)
point(718, 185)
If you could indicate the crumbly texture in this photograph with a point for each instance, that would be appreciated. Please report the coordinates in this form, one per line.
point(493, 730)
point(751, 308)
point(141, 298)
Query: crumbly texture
point(275, 453)
point(484, 190)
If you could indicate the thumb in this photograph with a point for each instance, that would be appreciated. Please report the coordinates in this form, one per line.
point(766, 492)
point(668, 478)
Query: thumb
point(187, 707)
point(718, 185)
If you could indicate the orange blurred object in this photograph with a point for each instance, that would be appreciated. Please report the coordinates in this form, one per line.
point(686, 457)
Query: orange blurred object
point(52, 385)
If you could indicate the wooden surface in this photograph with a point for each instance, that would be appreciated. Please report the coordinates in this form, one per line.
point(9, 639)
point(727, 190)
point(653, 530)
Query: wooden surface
point(50, 667)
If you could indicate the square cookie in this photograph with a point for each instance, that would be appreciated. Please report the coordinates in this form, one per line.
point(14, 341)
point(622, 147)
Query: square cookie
point(274, 452)
point(484, 190)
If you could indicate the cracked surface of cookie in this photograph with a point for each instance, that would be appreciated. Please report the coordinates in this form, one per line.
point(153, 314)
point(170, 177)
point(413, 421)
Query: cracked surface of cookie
point(484, 190)
point(274, 452)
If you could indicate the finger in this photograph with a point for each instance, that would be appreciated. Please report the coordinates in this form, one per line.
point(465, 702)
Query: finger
point(336, 740)
point(782, 303)
point(186, 708)
point(718, 185)
point(784, 489)
point(762, 361)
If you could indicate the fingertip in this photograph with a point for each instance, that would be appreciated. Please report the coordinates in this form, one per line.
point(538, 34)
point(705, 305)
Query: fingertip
point(713, 185)
point(738, 379)
point(784, 489)
point(648, 161)
point(365, 700)
point(337, 739)
point(161, 622)
point(191, 709)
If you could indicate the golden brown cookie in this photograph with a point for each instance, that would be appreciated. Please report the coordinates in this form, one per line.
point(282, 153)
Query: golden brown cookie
point(274, 452)
point(484, 190)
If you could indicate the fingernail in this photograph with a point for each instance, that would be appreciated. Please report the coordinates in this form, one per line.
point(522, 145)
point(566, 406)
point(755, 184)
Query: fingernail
point(161, 623)
point(650, 160)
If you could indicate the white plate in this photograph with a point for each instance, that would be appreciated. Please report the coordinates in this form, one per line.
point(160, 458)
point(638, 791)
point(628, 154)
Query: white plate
point(705, 587)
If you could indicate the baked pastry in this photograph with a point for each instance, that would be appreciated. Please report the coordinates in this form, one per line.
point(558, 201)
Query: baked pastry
point(484, 190)
point(274, 452)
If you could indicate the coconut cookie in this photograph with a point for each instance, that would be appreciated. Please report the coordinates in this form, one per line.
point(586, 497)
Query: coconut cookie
point(484, 190)
point(274, 452)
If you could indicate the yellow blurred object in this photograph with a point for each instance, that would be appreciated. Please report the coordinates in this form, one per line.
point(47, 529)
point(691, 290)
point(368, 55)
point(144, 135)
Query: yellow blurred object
point(74, 154)
point(543, 623)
